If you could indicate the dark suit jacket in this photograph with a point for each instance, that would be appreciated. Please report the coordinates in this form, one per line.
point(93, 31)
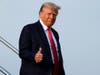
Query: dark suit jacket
point(32, 37)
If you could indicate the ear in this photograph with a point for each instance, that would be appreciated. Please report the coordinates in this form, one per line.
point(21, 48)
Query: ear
point(41, 14)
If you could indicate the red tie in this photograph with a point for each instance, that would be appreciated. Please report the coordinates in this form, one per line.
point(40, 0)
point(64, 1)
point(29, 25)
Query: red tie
point(54, 51)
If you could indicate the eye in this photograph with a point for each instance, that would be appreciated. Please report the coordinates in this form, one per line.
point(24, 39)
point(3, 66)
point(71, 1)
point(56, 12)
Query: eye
point(54, 14)
point(51, 14)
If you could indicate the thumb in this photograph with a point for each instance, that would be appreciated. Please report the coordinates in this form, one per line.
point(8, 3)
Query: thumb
point(40, 50)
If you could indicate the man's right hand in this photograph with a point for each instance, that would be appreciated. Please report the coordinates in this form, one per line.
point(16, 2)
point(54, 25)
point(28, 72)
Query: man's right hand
point(39, 56)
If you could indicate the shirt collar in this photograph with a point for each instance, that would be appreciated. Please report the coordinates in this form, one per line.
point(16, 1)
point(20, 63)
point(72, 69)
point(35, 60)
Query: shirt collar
point(43, 25)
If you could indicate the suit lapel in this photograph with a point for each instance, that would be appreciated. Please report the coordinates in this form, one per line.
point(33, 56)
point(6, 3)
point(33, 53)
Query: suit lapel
point(42, 34)
point(44, 41)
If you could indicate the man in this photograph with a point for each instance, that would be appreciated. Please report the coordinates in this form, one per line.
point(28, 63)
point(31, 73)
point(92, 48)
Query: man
point(39, 46)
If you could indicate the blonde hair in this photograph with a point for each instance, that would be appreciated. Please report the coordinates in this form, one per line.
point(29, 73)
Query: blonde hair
point(50, 5)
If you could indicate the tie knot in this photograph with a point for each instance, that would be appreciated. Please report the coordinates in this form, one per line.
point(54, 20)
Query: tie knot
point(49, 29)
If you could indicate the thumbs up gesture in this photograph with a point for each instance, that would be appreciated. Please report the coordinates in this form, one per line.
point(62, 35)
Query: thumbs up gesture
point(39, 56)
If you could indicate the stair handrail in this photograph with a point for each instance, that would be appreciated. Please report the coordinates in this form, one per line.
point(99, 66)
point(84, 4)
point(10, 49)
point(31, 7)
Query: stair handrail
point(4, 71)
point(6, 43)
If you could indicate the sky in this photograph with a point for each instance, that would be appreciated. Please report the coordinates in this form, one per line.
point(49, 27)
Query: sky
point(78, 25)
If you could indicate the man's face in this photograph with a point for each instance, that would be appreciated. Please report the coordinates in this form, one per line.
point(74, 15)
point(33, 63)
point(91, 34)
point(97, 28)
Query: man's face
point(48, 16)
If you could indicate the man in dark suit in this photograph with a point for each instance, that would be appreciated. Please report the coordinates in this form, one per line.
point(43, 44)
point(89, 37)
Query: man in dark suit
point(35, 48)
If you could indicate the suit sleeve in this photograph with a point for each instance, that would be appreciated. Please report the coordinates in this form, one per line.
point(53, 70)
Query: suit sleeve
point(25, 44)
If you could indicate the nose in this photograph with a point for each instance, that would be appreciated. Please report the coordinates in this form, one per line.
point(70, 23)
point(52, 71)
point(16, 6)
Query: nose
point(51, 16)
